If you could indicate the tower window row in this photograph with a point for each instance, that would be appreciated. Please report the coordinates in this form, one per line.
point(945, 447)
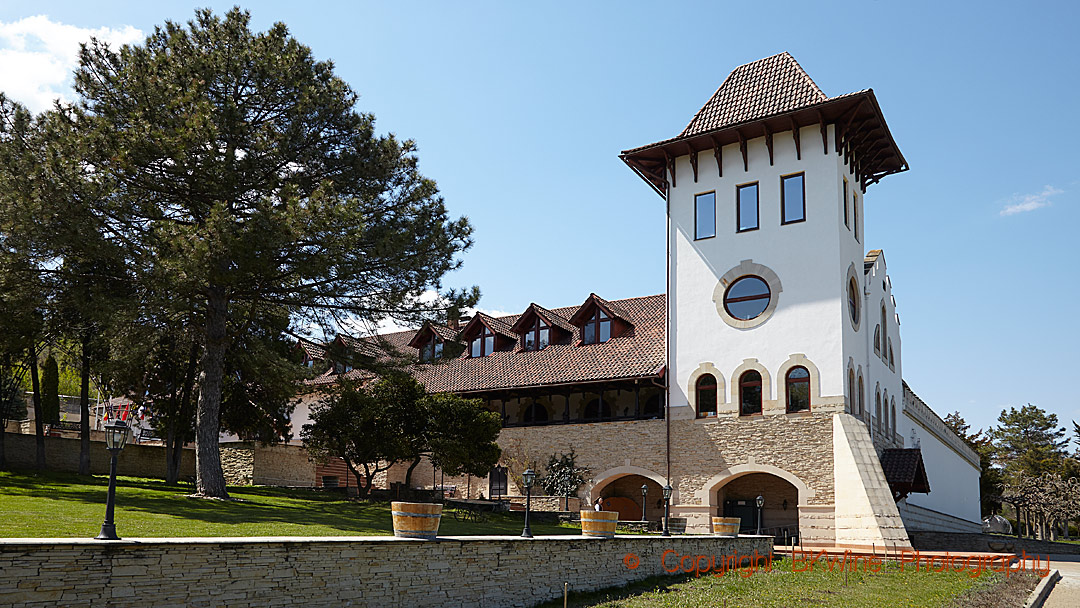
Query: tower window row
point(796, 385)
point(747, 216)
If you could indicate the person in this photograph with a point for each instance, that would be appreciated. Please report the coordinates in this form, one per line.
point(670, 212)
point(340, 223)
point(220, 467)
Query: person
point(599, 506)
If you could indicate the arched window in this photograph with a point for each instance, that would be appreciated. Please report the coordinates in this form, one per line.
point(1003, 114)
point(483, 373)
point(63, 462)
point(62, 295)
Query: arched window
point(884, 327)
point(538, 335)
point(851, 390)
point(892, 414)
point(877, 339)
point(885, 412)
point(706, 395)
point(877, 412)
point(536, 413)
point(750, 393)
point(862, 401)
point(798, 389)
point(597, 409)
point(597, 328)
point(892, 362)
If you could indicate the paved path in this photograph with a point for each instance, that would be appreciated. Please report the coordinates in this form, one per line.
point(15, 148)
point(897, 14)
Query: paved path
point(1066, 593)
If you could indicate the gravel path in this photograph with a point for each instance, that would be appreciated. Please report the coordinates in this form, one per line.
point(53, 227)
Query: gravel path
point(1066, 593)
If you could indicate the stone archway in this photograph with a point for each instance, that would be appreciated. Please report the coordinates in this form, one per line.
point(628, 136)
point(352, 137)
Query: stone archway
point(733, 492)
point(620, 488)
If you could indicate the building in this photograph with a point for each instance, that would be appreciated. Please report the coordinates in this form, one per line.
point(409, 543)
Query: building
point(771, 367)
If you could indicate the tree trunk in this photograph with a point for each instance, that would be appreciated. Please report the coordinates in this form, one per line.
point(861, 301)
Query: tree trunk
point(84, 410)
point(408, 473)
point(3, 460)
point(39, 422)
point(210, 477)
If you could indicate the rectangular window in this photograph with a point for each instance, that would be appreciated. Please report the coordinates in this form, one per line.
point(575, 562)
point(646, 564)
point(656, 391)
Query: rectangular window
point(855, 214)
point(792, 199)
point(847, 215)
point(705, 215)
point(474, 347)
point(544, 341)
point(746, 207)
point(590, 333)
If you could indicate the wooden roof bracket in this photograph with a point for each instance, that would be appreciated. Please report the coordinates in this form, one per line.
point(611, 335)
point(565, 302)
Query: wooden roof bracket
point(768, 142)
point(854, 112)
point(693, 160)
point(717, 151)
point(742, 148)
point(795, 136)
point(824, 133)
point(669, 162)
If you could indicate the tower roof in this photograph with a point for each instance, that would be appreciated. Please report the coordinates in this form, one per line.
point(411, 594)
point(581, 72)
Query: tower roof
point(769, 96)
point(756, 90)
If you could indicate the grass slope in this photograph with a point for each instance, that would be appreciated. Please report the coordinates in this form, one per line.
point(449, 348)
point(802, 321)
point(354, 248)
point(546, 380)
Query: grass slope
point(57, 505)
point(784, 588)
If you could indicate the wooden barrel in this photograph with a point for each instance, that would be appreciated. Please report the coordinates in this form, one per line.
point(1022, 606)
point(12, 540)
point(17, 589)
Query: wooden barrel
point(599, 524)
point(416, 519)
point(726, 526)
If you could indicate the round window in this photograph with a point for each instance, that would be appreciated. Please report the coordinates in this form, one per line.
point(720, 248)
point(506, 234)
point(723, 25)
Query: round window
point(853, 301)
point(747, 298)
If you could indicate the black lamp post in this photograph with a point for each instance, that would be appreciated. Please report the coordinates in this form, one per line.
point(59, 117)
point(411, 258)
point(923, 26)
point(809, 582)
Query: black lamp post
point(667, 508)
point(529, 476)
point(644, 501)
point(760, 503)
point(116, 434)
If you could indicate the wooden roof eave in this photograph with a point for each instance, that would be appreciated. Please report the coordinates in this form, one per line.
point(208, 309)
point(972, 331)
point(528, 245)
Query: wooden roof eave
point(650, 162)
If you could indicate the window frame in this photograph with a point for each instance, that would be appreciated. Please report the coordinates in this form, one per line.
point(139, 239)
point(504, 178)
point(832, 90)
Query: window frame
point(484, 334)
point(789, 382)
point(847, 214)
point(697, 228)
point(767, 296)
point(738, 206)
point(855, 214)
point(854, 304)
point(703, 384)
point(783, 204)
point(595, 319)
point(538, 326)
point(743, 385)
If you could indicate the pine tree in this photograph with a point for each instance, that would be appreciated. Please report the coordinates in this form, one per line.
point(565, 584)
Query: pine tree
point(50, 390)
point(244, 175)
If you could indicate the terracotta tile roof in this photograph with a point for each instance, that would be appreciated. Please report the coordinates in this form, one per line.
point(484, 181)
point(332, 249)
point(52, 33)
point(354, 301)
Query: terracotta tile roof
point(904, 470)
point(613, 310)
point(552, 318)
point(635, 354)
point(761, 88)
point(313, 350)
point(870, 259)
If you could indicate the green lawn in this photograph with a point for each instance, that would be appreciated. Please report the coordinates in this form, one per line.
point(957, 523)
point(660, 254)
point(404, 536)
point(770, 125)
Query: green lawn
point(62, 505)
point(784, 588)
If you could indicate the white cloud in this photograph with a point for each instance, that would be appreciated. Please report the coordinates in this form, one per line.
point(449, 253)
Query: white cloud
point(1030, 202)
point(38, 57)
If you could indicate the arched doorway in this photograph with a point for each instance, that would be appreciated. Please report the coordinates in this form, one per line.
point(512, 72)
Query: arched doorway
point(779, 513)
point(622, 493)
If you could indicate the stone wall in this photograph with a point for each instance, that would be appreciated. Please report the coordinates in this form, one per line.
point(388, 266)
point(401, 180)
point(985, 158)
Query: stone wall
point(62, 454)
point(921, 519)
point(957, 541)
point(246, 464)
point(362, 571)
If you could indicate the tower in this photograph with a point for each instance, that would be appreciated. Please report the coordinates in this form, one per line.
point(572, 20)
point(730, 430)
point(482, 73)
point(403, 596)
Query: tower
point(768, 305)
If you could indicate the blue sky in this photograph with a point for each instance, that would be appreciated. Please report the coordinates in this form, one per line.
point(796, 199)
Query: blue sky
point(520, 111)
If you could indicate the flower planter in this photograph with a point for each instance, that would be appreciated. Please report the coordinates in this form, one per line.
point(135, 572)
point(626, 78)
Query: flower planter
point(416, 519)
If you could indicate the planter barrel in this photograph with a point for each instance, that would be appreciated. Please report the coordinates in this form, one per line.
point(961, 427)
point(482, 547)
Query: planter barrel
point(416, 519)
point(599, 524)
point(726, 526)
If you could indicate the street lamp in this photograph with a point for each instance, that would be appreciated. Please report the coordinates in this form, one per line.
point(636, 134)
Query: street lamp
point(760, 503)
point(667, 508)
point(644, 503)
point(116, 434)
point(529, 476)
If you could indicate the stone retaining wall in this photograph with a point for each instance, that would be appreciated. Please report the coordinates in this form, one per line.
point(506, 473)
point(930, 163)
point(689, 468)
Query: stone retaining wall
point(955, 541)
point(62, 454)
point(360, 571)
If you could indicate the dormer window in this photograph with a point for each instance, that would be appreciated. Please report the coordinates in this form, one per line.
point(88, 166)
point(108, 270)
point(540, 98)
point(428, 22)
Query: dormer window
point(538, 335)
point(431, 350)
point(483, 344)
point(597, 328)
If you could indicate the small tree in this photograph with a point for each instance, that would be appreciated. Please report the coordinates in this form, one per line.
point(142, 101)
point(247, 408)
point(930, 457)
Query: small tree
point(517, 458)
point(563, 477)
point(463, 435)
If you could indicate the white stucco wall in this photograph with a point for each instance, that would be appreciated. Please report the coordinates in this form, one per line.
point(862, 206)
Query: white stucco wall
point(807, 257)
